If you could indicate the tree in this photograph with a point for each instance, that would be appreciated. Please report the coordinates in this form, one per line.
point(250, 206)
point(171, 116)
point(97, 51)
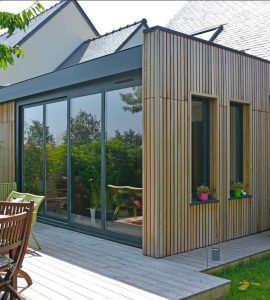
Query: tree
point(11, 22)
point(34, 134)
point(84, 128)
point(133, 100)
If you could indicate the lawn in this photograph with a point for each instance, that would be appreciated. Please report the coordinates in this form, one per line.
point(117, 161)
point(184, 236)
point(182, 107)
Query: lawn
point(256, 272)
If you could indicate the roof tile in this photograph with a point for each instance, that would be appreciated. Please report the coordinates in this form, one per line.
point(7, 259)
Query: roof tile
point(246, 23)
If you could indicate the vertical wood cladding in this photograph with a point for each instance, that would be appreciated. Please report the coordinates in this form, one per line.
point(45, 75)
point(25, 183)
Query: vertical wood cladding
point(7, 141)
point(175, 68)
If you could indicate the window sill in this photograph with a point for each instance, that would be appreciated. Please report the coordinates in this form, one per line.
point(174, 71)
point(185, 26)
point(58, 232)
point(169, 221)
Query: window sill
point(240, 197)
point(195, 201)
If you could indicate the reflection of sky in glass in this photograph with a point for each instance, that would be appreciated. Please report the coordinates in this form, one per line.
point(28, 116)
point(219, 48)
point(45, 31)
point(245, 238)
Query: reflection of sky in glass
point(32, 114)
point(117, 118)
point(56, 120)
point(89, 104)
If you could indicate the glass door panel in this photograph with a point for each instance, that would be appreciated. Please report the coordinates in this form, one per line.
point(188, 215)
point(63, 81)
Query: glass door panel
point(32, 181)
point(56, 159)
point(85, 152)
point(124, 160)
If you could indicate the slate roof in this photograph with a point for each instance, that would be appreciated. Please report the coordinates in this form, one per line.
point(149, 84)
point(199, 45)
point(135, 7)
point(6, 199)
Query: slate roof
point(19, 35)
point(245, 23)
point(103, 45)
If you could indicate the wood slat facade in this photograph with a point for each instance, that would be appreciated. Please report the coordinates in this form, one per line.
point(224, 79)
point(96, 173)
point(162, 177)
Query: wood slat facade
point(175, 68)
point(7, 141)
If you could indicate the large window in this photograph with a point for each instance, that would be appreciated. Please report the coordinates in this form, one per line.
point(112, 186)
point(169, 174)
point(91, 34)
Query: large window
point(33, 180)
point(236, 142)
point(200, 144)
point(124, 160)
point(56, 159)
point(85, 155)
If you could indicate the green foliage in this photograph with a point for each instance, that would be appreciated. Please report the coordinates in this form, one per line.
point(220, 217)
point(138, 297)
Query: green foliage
point(237, 185)
point(11, 22)
point(203, 189)
point(133, 101)
point(84, 128)
point(86, 163)
point(34, 134)
point(123, 159)
point(249, 280)
point(33, 155)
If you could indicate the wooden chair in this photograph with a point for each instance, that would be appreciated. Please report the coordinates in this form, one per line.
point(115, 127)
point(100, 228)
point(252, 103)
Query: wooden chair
point(14, 235)
point(126, 197)
point(29, 197)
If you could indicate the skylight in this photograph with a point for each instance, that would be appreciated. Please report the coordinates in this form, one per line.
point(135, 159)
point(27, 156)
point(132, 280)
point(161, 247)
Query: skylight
point(209, 34)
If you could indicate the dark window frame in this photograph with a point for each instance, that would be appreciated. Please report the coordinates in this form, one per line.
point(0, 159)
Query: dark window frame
point(206, 143)
point(239, 141)
point(133, 78)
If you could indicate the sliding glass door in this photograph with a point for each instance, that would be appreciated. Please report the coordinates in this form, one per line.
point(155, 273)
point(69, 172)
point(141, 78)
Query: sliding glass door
point(56, 159)
point(33, 175)
point(85, 155)
point(124, 160)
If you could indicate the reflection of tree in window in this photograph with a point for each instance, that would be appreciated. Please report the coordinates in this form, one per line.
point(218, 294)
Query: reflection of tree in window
point(133, 100)
point(34, 134)
point(124, 150)
point(85, 138)
point(33, 155)
point(84, 128)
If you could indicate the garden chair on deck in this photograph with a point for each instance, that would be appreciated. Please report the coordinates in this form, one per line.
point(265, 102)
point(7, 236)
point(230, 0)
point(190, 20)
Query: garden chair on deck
point(15, 226)
point(29, 197)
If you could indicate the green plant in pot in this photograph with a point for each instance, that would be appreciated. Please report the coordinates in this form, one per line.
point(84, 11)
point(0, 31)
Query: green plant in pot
point(237, 188)
point(94, 199)
point(203, 193)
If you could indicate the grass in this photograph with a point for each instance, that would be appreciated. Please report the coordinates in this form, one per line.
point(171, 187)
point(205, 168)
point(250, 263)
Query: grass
point(257, 270)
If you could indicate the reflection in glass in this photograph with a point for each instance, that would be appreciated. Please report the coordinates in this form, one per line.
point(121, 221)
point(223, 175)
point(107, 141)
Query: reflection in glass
point(85, 147)
point(56, 159)
point(236, 142)
point(200, 144)
point(33, 150)
point(124, 160)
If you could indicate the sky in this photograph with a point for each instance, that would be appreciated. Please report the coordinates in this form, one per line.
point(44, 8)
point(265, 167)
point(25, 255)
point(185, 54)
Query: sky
point(109, 15)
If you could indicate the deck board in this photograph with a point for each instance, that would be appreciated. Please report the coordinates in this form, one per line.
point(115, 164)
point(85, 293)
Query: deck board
point(75, 266)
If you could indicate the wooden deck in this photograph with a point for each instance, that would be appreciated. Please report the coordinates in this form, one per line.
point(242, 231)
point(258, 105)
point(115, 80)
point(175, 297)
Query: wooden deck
point(77, 266)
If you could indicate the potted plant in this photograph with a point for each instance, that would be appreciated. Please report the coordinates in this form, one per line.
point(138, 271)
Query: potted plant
point(237, 188)
point(94, 199)
point(203, 192)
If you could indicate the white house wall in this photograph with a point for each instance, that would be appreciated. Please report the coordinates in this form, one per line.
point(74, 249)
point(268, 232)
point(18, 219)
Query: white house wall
point(49, 46)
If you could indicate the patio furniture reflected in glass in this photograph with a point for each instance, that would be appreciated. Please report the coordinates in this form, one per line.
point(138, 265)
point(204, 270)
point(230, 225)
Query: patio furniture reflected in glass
point(15, 226)
point(126, 197)
point(124, 160)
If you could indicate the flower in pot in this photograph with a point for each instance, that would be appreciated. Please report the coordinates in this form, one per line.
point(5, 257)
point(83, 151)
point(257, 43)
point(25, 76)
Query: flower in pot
point(203, 192)
point(237, 188)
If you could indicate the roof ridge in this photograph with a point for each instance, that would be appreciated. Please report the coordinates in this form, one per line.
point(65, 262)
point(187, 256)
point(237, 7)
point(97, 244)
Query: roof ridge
point(116, 30)
point(5, 33)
